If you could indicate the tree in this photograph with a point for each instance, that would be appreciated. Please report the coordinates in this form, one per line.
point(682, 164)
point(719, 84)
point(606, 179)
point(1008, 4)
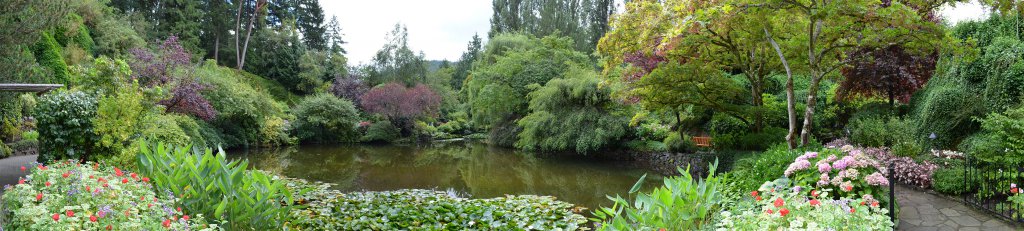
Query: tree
point(180, 18)
point(157, 67)
point(582, 20)
point(890, 72)
point(396, 62)
point(21, 20)
point(333, 36)
point(186, 98)
point(465, 63)
point(349, 87)
point(511, 64)
point(278, 57)
point(832, 29)
point(252, 9)
point(581, 110)
point(310, 20)
point(401, 105)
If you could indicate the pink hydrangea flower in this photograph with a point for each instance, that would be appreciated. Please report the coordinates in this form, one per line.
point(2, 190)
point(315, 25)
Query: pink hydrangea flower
point(797, 166)
point(876, 179)
point(824, 167)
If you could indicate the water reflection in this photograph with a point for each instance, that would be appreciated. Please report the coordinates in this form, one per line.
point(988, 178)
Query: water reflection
point(473, 168)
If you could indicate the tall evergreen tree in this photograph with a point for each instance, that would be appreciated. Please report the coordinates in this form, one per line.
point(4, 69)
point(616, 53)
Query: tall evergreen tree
point(465, 63)
point(310, 20)
point(333, 36)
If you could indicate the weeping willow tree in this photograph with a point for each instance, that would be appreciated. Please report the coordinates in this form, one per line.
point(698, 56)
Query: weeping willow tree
point(571, 113)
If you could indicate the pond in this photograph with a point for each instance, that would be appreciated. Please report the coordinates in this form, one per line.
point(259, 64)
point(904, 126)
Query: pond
point(471, 168)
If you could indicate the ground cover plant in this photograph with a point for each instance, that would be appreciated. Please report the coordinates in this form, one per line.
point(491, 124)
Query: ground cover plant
point(68, 195)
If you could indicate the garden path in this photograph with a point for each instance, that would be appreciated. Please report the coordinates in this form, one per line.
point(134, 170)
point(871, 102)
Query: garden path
point(922, 211)
point(10, 168)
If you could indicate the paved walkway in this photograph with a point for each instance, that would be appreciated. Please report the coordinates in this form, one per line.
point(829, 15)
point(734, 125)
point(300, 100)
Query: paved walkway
point(10, 168)
point(923, 211)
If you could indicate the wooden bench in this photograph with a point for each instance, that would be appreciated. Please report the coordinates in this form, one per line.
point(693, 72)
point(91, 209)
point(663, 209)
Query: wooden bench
point(702, 141)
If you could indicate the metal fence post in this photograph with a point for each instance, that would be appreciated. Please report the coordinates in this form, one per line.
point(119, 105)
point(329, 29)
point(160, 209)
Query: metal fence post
point(892, 194)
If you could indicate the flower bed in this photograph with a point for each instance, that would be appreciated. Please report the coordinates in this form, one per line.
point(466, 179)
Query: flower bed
point(778, 206)
point(71, 196)
point(426, 210)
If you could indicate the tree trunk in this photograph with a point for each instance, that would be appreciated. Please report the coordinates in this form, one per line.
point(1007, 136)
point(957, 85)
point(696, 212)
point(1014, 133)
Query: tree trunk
point(216, 49)
point(248, 34)
point(238, 32)
point(812, 100)
point(790, 101)
point(758, 103)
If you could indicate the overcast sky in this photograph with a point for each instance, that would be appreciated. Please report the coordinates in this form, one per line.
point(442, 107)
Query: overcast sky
point(441, 29)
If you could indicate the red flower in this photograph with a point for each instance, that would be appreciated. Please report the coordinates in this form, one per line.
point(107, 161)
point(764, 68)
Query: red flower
point(167, 223)
point(863, 203)
point(815, 202)
point(145, 179)
point(814, 193)
point(21, 181)
point(758, 198)
point(39, 197)
point(42, 167)
point(852, 210)
point(1014, 190)
point(56, 216)
point(69, 213)
point(66, 174)
point(100, 179)
point(179, 209)
point(124, 181)
point(109, 227)
point(87, 189)
point(185, 217)
point(22, 168)
point(849, 188)
point(769, 211)
point(117, 171)
point(773, 190)
point(779, 202)
point(105, 185)
point(874, 204)
point(149, 205)
point(47, 183)
point(753, 194)
point(92, 218)
point(783, 212)
point(135, 176)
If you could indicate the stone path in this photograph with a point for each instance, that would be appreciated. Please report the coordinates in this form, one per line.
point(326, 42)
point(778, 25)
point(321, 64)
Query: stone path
point(923, 211)
point(10, 168)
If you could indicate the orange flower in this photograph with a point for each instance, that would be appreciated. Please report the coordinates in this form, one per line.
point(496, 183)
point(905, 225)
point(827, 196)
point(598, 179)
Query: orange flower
point(783, 212)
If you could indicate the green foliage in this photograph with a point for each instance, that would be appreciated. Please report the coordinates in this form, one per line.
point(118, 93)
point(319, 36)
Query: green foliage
point(48, 53)
point(907, 149)
point(952, 181)
point(164, 128)
point(5, 151)
point(766, 166)
point(1004, 84)
point(324, 118)
point(115, 36)
point(682, 203)
point(581, 109)
point(57, 197)
point(212, 185)
point(800, 213)
point(279, 55)
point(872, 131)
point(396, 62)
point(199, 133)
point(1004, 138)
point(65, 125)
point(381, 132)
point(244, 110)
point(104, 76)
point(679, 143)
point(417, 209)
point(498, 90)
point(119, 118)
point(30, 135)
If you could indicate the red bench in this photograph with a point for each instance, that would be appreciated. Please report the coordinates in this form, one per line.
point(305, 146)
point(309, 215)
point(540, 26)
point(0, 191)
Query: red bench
point(702, 141)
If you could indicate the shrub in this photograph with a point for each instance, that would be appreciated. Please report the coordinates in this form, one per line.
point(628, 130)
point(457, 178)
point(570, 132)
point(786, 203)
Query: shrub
point(323, 118)
point(653, 131)
point(5, 151)
point(906, 169)
point(163, 127)
point(30, 135)
point(381, 132)
point(212, 185)
point(1005, 134)
point(952, 181)
point(243, 110)
point(881, 131)
point(402, 105)
point(848, 173)
point(200, 133)
point(67, 196)
point(682, 203)
point(66, 125)
point(119, 118)
point(907, 149)
point(48, 54)
point(759, 168)
point(761, 140)
point(679, 143)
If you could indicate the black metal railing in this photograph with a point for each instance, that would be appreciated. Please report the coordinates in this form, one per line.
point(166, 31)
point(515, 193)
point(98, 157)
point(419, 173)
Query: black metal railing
point(989, 187)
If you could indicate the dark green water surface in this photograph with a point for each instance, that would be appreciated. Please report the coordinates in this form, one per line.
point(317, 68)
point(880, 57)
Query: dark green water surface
point(468, 167)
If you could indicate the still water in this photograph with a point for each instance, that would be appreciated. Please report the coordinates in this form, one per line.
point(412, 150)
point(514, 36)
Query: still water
point(468, 167)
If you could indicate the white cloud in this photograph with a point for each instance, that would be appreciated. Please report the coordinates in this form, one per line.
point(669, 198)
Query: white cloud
point(441, 29)
point(970, 11)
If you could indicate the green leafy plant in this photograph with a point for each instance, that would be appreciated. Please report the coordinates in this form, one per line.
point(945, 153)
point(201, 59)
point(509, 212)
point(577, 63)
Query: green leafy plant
point(68, 195)
point(381, 132)
point(30, 135)
point(682, 203)
point(65, 125)
point(324, 118)
point(952, 181)
point(210, 184)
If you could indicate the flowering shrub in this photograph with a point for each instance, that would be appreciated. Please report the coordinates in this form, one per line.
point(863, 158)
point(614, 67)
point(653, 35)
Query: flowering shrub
point(71, 196)
point(779, 206)
point(1015, 201)
point(905, 169)
point(848, 174)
